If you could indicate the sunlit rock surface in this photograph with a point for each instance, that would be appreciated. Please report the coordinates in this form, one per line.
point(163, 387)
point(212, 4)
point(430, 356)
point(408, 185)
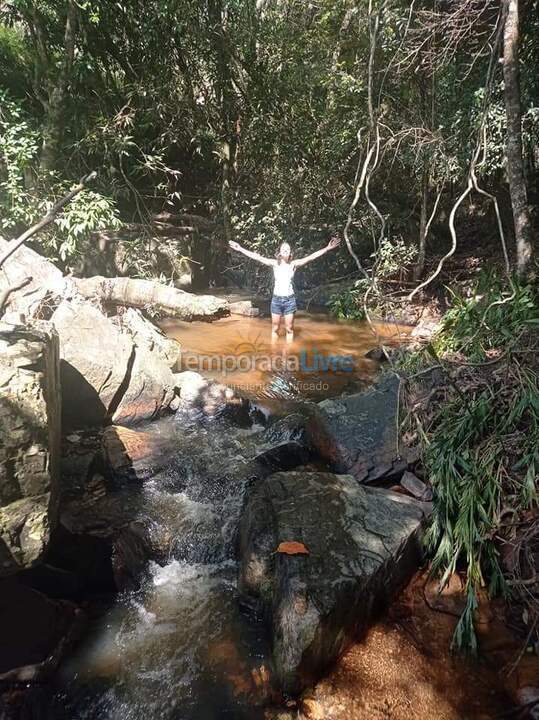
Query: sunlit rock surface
point(46, 280)
point(95, 357)
point(29, 443)
point(362, 545)
point(104, 372)
point(148, 336)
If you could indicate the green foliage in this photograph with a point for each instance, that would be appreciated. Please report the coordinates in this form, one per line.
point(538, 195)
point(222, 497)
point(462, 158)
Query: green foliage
point(26, 195)
point(348, 304)
point(392, 257)
point(492, 318)
point(481, 445)
point(473, 475)
point(156, 90)
point(88, 212)
point(19, 146)
point(14, 60)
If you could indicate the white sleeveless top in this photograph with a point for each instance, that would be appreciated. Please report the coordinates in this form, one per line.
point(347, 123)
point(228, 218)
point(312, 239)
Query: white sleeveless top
point(283, 273)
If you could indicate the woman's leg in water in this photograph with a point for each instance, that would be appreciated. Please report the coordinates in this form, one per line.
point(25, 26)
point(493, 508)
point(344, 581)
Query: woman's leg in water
point(275, 322)
point(289, 326)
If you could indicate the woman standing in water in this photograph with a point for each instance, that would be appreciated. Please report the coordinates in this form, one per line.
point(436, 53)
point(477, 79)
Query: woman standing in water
point(283, 302)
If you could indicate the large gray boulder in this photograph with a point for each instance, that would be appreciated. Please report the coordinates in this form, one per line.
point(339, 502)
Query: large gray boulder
point(362, 545)
point(148, 337)
point(149, 389)
point(108, 372)
point(95, 358)
point(357, 434)
point(47, 280)
point(30, 406)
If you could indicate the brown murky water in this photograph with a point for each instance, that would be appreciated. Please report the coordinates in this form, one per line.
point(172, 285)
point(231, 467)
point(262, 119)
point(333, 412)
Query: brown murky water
point(326, 357)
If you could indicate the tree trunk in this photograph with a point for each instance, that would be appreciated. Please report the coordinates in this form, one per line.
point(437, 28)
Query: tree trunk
point(229, 112)
point(201, 253)
point(515, 165)
point(169, 301)
point(420, 266)
point(55, 106)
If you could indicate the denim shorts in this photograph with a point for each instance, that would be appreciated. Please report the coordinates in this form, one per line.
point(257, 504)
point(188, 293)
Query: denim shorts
point(283, 305)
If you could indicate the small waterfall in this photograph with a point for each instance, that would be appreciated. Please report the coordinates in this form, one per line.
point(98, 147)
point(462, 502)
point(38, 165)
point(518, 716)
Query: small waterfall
point(178, 647)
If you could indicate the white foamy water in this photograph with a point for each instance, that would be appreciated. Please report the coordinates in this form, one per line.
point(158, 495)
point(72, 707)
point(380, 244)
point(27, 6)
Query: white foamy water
point(177, 648)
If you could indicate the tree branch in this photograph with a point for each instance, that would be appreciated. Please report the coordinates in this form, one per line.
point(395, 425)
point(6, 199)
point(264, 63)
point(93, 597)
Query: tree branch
point(49, 217)
point(4, 295)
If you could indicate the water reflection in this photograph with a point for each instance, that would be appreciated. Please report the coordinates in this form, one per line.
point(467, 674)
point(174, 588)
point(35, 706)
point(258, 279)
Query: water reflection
point(326, 357)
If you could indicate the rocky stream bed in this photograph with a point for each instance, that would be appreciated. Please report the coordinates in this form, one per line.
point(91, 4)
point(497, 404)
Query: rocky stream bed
point(170, 548)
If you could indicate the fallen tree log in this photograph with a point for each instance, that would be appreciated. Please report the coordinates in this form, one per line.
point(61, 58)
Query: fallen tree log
point(149, 294)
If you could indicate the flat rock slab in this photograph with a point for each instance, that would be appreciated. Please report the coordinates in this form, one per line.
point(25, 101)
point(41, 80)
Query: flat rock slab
point(357, 434)
point(363, 546)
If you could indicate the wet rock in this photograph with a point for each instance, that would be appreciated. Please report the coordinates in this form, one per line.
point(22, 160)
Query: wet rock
point(281, 456)
point(202, 396)
point(132, 547)
point(150, 495)
point(292, 427)
point(357, 434)
point(377, 354)
point(35, 632)
point(81, 566)
point(29, 443)
point(147, 336)
point(362, 547)
point(133, 454)
point(95, 359)
point(118, 518)
point(191, 386)
point(416, 487)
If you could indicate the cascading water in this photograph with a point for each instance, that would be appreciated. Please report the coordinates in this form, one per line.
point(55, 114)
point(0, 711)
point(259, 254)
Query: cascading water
point(179, 647)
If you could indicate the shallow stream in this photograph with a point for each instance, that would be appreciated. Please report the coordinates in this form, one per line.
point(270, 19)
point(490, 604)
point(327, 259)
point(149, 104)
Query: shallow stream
point(180, 647)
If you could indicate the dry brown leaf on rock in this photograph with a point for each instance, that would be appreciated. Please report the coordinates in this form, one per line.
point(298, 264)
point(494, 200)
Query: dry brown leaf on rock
point(292, 547)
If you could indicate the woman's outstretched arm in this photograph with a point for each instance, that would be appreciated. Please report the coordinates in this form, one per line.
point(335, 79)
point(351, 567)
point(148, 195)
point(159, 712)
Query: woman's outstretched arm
point(333, 243)
point(253, 255)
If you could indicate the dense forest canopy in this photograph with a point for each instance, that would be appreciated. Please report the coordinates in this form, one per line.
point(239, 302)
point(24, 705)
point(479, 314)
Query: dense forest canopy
point(262, 121)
